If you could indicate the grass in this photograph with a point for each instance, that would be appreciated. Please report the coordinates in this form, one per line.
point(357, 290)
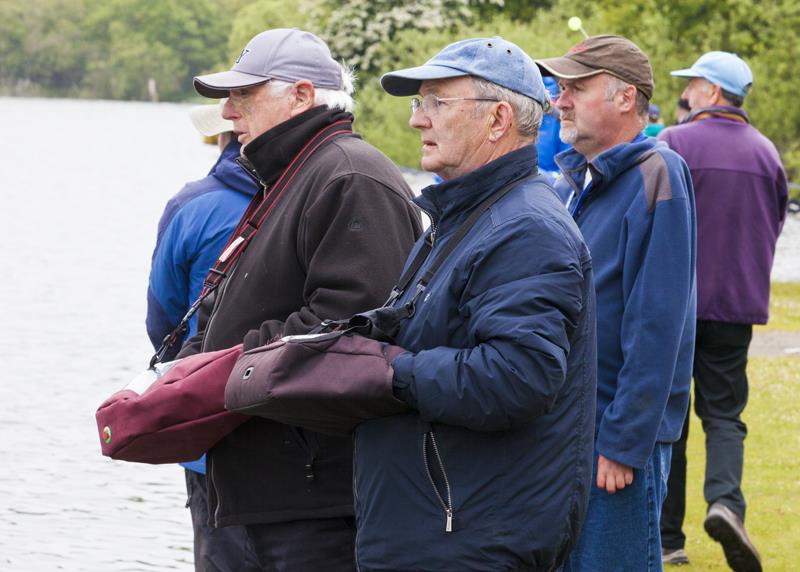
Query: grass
point(772, 465)
point(771, 473)
point(784, 308)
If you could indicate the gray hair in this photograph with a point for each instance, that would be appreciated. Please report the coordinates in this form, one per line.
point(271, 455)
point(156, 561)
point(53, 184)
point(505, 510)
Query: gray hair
point(334, 98)
point(615, 84)
point(528, 112)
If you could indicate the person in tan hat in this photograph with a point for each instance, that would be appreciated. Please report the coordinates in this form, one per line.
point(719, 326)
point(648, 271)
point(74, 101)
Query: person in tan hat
point(632, 199)
point(193, 230)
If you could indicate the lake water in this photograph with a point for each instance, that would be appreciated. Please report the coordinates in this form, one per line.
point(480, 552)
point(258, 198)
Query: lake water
point(83, 184)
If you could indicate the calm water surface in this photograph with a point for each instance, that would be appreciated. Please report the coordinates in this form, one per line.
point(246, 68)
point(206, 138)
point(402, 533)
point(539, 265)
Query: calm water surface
point(83, 184)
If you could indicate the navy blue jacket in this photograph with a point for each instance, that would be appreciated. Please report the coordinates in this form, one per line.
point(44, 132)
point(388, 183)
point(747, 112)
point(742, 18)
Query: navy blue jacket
point(501, 374)
point(194, 228)
point(638, 219)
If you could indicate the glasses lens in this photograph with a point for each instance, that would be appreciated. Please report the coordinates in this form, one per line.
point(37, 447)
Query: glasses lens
point(415, 104)
point(430, 104)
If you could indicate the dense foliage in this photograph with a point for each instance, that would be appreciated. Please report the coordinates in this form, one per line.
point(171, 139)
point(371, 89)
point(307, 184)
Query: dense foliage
point(111, 48)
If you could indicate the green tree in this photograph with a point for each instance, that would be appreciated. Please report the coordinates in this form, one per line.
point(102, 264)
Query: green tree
point(359, 30)
point(167, 40)
point(42, 43)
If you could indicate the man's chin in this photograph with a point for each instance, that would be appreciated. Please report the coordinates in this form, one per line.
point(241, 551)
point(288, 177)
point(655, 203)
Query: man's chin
point(568, 135)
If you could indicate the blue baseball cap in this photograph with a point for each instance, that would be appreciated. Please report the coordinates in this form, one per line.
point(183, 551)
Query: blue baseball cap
point(493, 59)
point(725, 69)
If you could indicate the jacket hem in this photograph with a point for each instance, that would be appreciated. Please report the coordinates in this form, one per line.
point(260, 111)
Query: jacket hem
point(273, 517)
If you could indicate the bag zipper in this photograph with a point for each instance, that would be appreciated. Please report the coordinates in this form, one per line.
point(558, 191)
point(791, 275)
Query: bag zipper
point(447, 506)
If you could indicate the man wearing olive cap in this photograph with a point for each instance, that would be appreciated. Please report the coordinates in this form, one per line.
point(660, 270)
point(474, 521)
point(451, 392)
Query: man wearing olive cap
point(742, 196)
point(490, 468)
point(333, 240)
point(632, 199)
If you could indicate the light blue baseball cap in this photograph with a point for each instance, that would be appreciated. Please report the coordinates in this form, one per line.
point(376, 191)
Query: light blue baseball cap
point(725, 69)
point(493, 59)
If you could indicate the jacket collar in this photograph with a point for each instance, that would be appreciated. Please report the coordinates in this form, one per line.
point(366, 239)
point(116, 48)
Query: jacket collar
point(272, 151)
point(718, 111)
point(230, 174)
point(448, 202)
point(608, 165)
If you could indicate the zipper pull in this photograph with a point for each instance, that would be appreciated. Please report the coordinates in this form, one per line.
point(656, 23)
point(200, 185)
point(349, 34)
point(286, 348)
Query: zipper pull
point(449, 526)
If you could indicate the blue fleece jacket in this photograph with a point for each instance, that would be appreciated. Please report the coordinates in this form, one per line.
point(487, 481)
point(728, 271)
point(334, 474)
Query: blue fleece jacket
point(193, 230)
point(638, 219)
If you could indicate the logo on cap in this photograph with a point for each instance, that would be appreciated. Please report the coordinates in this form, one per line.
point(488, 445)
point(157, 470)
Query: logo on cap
point(107, 434)
point(582, 47)
point(243, 54)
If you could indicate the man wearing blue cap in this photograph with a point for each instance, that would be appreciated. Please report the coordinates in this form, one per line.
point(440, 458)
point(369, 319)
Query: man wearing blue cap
point(490, 469)
point(741, 193)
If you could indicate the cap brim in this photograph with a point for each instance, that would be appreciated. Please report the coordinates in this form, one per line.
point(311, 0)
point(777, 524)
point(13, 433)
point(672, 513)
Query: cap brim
point(208, 120)
point(688, 72)
point(566, 68)
point(218, 85)
point(407, 81)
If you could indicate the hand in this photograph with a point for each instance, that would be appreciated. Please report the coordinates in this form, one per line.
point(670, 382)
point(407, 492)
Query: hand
point(613, 476)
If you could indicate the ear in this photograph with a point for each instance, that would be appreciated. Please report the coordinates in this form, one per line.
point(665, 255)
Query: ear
point(715, 96)
point(627, 99)
point(304, 94)
point(501, 119)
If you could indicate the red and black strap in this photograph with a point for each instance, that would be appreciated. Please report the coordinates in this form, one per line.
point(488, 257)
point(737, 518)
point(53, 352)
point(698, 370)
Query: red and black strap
point(261, 205)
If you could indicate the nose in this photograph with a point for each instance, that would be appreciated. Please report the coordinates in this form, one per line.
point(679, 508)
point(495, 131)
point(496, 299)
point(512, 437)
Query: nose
point(685, 93)
point(229, 110)
point(564, 100)
point(418, 119)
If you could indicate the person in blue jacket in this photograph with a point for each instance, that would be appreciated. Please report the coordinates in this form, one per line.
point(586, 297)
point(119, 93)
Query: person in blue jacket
point(549, 144)
point(490, 470)
point(194, 228)
point(632, 199)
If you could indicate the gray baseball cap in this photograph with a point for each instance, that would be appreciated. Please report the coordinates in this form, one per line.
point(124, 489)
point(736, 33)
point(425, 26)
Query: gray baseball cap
point(285, 54)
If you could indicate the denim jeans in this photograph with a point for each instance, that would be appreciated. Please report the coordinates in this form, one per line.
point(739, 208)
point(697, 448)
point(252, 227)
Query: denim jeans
point(621, 531)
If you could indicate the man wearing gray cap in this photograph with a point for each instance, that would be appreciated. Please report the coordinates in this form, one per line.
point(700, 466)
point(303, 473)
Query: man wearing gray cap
point(490, 469)
point(742, 197)
point(324, 238)
point(632, 199)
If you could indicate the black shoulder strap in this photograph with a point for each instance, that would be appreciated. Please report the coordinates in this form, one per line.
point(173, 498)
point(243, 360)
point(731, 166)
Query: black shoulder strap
point(450, 246)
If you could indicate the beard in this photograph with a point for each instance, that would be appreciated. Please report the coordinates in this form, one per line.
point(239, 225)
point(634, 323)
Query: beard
point(568, 134)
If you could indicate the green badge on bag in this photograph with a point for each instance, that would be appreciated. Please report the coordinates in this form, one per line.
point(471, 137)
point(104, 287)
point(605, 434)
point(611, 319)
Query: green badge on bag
point(107, 434)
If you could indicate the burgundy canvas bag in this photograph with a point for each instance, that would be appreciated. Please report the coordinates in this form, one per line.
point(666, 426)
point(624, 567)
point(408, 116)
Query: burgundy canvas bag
point(328, 383)
point(180, 416)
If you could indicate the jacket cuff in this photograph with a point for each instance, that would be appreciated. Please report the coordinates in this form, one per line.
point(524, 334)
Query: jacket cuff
point(403, 379)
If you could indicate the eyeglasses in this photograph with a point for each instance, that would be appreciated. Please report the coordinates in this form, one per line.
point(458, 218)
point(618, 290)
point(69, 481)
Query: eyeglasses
point(430, 103)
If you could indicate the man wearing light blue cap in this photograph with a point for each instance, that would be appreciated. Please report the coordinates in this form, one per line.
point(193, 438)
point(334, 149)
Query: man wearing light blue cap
point(490, 469)
point(741, 197)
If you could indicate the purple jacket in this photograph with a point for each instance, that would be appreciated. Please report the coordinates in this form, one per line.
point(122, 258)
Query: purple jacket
point(741, 197)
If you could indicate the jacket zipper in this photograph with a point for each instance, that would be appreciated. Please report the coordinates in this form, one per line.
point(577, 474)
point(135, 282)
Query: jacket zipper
point(212, 483)
point(447, 506)
point(433, 226)
point(355, 502)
